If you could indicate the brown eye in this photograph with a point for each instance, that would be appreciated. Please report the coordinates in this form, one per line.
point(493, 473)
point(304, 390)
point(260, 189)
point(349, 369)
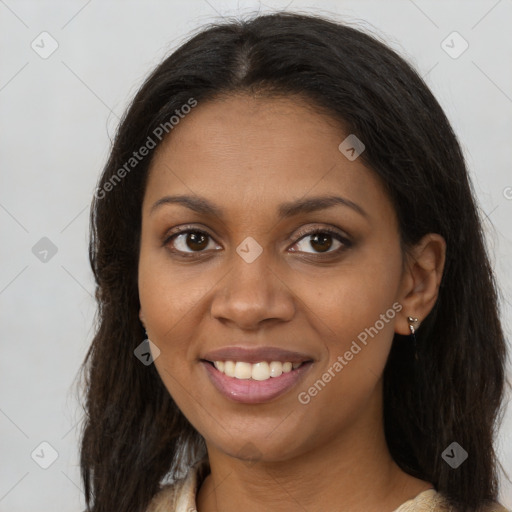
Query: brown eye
point(322, 241)
point(189, 241)
point(196, 241)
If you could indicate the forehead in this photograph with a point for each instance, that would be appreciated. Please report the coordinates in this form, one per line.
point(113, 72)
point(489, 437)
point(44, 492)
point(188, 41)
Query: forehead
point(245, 152)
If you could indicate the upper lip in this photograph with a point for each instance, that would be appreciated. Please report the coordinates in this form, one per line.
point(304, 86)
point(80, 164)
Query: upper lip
point(255, 355)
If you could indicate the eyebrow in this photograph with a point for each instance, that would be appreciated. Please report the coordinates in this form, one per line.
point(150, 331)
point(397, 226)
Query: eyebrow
point(285, 210)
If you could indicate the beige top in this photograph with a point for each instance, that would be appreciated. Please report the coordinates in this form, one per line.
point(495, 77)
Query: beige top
point(181, 496)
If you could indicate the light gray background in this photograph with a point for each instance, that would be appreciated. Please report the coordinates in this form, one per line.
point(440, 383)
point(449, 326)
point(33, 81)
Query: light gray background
point(57, 116)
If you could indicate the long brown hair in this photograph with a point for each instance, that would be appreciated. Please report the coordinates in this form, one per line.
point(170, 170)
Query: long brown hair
point(134, 434)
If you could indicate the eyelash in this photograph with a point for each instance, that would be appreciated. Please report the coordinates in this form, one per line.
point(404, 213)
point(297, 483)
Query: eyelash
point(346, 243)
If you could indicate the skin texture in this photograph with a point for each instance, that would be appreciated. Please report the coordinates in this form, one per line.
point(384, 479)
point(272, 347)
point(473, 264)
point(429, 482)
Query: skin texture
point(248, 155)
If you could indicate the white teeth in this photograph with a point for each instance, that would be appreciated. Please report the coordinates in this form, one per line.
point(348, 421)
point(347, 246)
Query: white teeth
point(258, 371)
point(229, 368)
point(243, 370)
point(276, 368)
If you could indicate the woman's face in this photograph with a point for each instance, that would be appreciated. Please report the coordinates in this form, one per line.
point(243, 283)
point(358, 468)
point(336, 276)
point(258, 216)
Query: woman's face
point(251, 282)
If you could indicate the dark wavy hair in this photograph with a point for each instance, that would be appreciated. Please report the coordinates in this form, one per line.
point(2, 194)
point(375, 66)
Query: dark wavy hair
point(133, 433)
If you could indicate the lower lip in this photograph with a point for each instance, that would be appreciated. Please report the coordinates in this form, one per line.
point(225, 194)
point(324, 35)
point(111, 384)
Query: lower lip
point(249, 391)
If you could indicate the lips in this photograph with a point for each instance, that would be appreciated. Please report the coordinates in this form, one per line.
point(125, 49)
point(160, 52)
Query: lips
point(253, 381)
point(255, 355)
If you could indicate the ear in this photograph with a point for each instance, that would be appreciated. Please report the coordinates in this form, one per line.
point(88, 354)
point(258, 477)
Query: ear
point(421, 279)
point(141, 317)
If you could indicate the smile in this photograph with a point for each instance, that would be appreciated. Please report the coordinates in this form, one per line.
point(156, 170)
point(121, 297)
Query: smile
point(259, 371)
point(255, 383)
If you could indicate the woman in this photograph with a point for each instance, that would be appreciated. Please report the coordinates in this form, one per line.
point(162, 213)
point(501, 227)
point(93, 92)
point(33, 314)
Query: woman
point(296, 307)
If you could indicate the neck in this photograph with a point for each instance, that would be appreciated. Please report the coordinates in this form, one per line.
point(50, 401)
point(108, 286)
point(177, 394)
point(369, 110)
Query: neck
point(349, 473)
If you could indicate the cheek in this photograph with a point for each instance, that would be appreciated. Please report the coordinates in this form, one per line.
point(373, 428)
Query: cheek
point(174, 309)
point(168, 296)
point(168, 304)
point(355, 311)
point(357, 327)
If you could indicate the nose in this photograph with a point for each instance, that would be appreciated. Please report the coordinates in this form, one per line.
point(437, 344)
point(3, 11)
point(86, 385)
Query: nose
point(252, 293)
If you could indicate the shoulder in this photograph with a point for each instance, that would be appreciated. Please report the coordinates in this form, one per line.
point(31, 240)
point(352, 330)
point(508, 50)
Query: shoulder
point(180, 496)
point(496, 507)
point(431, 500)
